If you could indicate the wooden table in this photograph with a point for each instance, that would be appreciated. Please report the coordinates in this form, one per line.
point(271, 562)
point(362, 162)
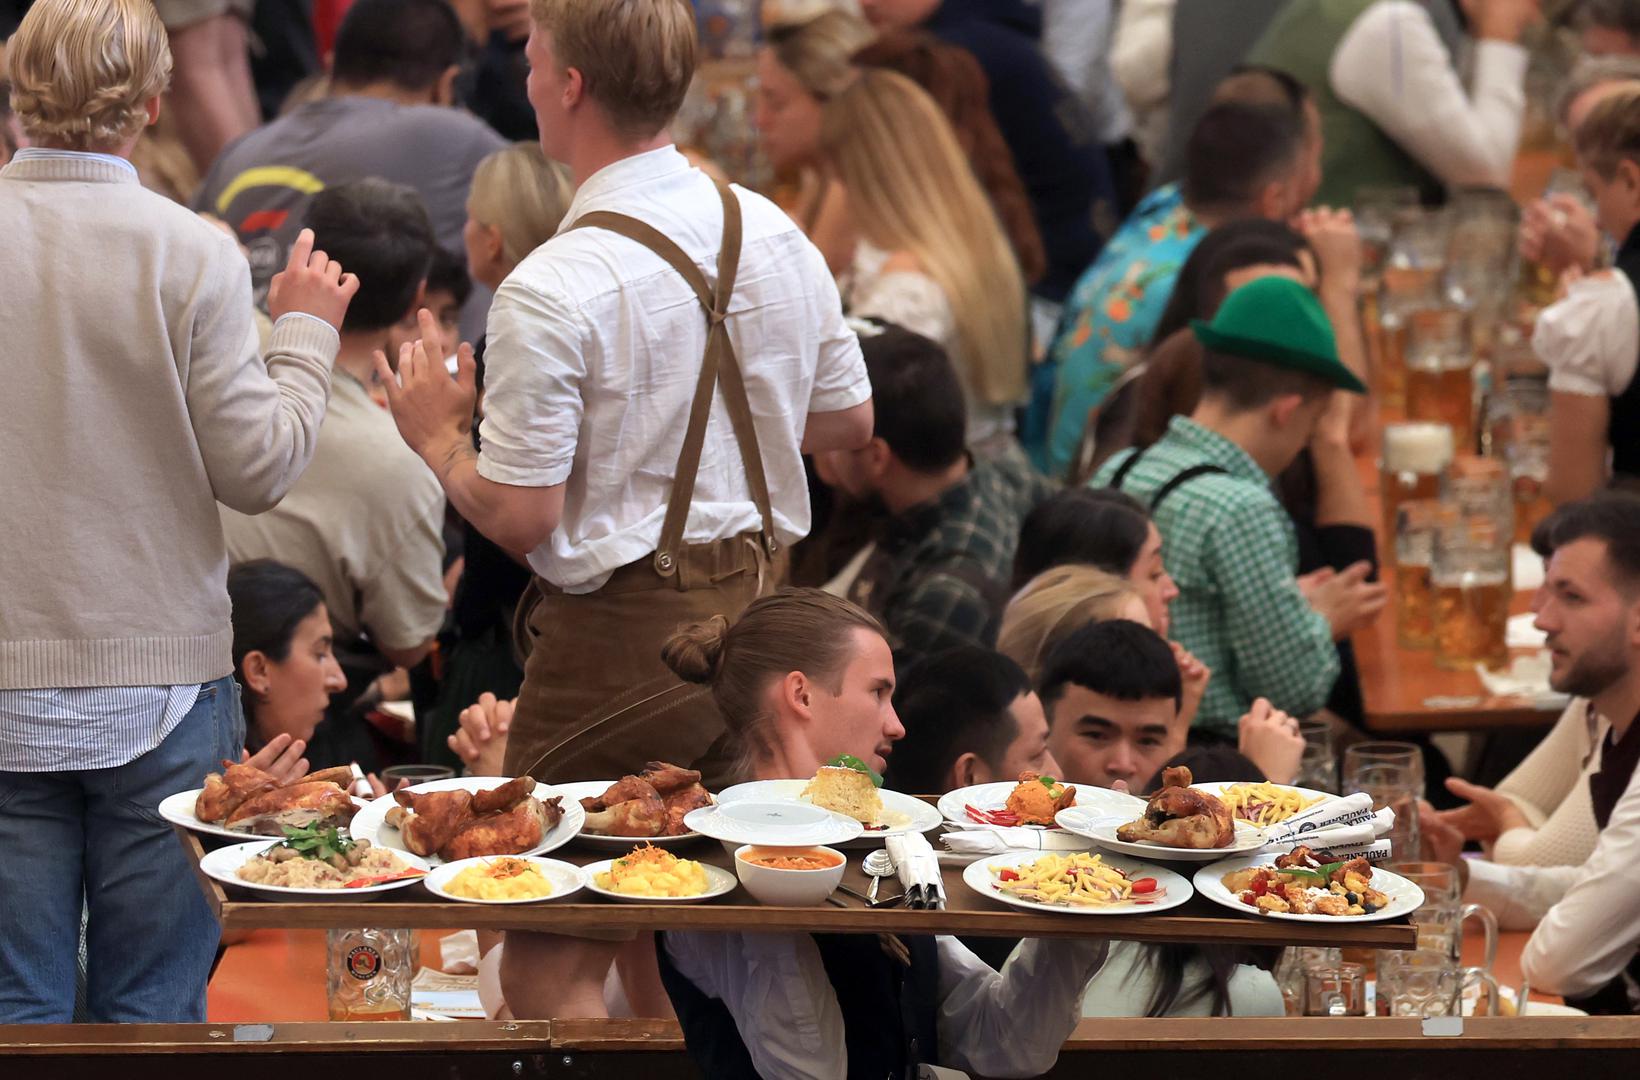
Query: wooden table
point(1405, 692)
point(967, 913)
point(1499, 1048)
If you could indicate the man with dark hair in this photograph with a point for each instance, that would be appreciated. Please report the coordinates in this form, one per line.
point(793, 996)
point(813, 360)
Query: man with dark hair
point(970, 717)
point(1269, 369)
point(1112, 692)
point(937, 574)
point(1587, 917)
point(389, 114)
point(364, 521)
point(1254, 154)
point(448, 289)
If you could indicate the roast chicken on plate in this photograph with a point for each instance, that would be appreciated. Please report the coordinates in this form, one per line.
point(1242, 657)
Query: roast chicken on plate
point(246, 799)
point(457, 824)
point(1181, 816)
point(652, 803)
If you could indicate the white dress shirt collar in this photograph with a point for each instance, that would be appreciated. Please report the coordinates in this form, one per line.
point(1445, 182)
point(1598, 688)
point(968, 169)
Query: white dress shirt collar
point(619, 176)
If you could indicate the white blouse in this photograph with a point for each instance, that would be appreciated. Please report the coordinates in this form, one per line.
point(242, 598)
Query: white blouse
point(915, 301)
point(1125, 984)
point(1590, 339)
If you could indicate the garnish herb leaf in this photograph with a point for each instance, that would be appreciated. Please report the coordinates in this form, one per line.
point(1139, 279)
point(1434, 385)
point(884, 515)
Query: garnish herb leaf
point(849, 761)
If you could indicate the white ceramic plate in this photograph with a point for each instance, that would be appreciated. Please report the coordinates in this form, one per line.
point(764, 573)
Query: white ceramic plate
point(371, 822)
point(223, 865)
point(178, 809)
point(1101, 830)
point(1404, 896)
point(591, 789)
point(913, 815)
point(1307, 793)
point(773, 824)
point(1174, 888)
point(718, 882)
point(566, 879)
point(1102, 801)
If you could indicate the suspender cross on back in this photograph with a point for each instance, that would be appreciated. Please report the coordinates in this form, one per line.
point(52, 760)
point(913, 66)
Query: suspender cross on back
point(720, 366)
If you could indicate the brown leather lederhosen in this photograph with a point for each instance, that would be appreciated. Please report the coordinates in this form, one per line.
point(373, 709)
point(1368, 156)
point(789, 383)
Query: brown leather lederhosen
point(597, 702)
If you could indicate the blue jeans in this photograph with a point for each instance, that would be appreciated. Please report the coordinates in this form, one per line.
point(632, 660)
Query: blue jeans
point(97, 834)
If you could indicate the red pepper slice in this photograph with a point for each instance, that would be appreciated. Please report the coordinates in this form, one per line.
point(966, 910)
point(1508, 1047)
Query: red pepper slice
point(382, 879)
point(1144, 885)
point(1007, 875)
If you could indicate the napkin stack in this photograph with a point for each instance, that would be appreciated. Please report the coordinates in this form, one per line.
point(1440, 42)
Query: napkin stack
point(977, 839)
point(1345, 828)
point(918, 869)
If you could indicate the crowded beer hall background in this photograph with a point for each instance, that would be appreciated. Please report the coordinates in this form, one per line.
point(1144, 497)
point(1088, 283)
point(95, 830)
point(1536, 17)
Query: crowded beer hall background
point(820, 538)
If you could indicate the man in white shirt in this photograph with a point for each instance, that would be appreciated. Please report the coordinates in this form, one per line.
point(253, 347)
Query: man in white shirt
point(1587, 917)
point(1394, 108)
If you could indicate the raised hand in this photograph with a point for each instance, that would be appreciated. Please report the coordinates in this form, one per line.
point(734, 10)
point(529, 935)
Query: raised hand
point(281, 758)
point(311, 283)
point(1270, 739)
point(434, 412)
point(481, 740)
point(1347, 599)
point(1488, 815)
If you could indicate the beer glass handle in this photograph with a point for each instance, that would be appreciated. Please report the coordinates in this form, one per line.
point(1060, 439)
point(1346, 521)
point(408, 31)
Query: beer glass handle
point(1489, 924)
point(1494, 999)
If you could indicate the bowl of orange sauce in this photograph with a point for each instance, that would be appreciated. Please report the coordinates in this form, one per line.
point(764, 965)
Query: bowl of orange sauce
point(789, 877)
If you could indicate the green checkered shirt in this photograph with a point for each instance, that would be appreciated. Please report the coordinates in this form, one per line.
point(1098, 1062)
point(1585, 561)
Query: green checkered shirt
point(1229, 546)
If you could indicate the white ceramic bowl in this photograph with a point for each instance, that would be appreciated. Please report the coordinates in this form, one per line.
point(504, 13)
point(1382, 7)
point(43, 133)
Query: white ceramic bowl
point(789, 888)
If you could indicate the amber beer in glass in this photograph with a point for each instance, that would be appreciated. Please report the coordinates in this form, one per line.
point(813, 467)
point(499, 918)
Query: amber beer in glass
point(1415, 528)
point(1471, 579)
point(1415, 457)
point(1440, 372)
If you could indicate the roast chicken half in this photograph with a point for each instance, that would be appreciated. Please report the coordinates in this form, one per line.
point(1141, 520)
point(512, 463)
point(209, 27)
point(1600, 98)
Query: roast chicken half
point(652, 803)
point(456, 824)
point(1181, 816)
point(246, 799)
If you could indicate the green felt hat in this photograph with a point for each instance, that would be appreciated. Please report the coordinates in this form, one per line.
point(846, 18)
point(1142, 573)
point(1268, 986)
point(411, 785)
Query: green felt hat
point(1275, 320)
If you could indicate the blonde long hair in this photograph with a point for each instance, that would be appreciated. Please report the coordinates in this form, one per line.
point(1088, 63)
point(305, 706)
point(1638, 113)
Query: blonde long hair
point(519, 191)
point(82, 71)
point(1054, 604)
point(910, 188)
point(819, 52)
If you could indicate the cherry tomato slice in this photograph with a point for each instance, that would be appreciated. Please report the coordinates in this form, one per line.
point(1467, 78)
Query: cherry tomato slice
point(1144, 885)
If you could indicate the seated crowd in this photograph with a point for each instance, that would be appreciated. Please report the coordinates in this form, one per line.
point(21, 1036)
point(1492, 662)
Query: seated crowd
point(955, 455)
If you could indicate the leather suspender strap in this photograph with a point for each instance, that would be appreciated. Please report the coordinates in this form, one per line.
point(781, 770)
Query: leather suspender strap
point(1178, 481)
point(720, 366)
point(1126, 467)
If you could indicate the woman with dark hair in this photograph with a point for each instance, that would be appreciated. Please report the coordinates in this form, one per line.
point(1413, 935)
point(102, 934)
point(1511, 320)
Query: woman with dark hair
point(283, 662)
point(1101, 528)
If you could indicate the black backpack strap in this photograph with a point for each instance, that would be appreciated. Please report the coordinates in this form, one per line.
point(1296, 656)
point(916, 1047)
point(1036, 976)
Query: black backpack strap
point(1180, 480)
point(1120, 475)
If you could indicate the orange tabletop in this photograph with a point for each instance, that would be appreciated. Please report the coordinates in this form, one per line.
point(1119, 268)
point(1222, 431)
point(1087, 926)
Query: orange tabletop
point(278, 976)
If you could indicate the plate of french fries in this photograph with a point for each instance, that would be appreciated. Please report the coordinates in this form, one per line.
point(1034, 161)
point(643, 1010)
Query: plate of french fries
point(1263, 804)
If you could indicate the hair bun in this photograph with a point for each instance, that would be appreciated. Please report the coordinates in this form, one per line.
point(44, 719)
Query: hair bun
point(695, 652)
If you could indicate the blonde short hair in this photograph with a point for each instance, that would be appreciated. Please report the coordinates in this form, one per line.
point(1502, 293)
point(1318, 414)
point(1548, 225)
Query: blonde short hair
point(524, 194)
point(82, 71)
point(1611, 133)
point(636, 57)
point(1056, 603)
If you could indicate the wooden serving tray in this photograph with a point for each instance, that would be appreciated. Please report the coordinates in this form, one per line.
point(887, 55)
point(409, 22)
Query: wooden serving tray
point(966, 913)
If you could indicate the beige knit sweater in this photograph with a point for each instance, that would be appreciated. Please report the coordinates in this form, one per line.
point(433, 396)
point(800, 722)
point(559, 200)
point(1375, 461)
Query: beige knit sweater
point(132, 398)
point(1551, 787)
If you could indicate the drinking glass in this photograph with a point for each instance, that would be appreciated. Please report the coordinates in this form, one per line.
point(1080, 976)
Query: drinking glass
point(1340, 990)
point(1292, 973)
point(1318, 768)
point(416, 774)
point(1376, 210)
point(1415, 527)
point(1393, 774)
point(1440, 919)
point(1440, 364)
point(1518, 423)
point(1423, 983)
point(368, 974)
point(1415, 458)
point(1470, 574)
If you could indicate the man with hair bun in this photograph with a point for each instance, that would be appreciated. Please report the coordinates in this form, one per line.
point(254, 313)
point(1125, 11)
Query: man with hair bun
point(135, 401)
point(653, 374)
